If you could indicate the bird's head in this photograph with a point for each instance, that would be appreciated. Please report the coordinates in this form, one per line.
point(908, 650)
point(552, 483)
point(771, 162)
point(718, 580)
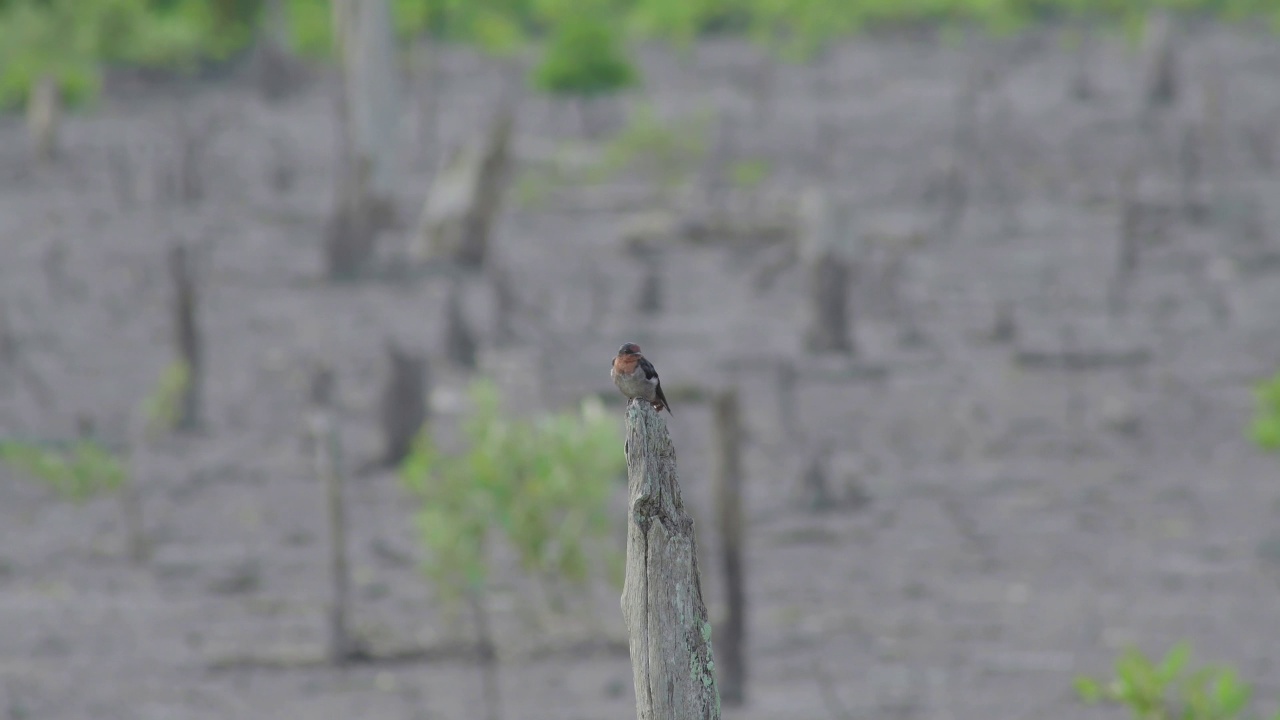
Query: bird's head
point(628, 349)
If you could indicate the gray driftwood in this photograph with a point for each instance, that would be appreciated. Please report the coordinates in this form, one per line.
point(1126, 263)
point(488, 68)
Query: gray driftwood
point(670, 636)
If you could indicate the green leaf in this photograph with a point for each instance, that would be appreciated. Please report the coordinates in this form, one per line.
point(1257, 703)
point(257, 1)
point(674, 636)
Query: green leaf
point(1088, 689)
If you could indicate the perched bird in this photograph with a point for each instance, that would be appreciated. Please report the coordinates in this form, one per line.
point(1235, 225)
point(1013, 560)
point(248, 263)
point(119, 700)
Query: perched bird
point(636, 378)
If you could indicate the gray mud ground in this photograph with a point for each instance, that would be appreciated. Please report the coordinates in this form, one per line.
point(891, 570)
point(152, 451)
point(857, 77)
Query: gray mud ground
point(1024, 523)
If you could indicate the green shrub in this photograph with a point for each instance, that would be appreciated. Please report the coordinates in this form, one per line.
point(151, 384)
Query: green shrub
point(1265, 426)
point(77, 472)
point(584, 58)
point(542, 485)
point(1167, 690)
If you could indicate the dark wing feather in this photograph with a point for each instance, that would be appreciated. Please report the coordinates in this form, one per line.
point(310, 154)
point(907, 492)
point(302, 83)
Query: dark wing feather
point(649, 372)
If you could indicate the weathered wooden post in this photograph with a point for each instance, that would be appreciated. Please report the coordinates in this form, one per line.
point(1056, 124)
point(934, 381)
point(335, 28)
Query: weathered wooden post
point(670, 636)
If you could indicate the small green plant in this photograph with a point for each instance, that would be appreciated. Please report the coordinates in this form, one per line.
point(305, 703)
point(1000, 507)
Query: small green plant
point(749, 173)
point(1264, 429)
point(664, 153)
point(584, 58)
point(543, 485)
point(77, 471)
point(1167, 690)
point(162, 409)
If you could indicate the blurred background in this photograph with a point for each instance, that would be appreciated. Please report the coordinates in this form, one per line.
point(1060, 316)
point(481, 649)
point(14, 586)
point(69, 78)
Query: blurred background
point(965, 309)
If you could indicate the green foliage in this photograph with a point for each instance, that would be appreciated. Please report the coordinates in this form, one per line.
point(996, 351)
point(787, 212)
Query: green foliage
point(1265, 426)
point(76, 472)
point(665, 153)
point(585, 58)
point(72, 39)
point(1166, 690)
point(543, 485)
point(163, 407)
point(749, 173)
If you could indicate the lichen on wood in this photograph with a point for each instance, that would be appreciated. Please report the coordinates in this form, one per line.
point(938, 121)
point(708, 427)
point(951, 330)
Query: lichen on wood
point(670, 636)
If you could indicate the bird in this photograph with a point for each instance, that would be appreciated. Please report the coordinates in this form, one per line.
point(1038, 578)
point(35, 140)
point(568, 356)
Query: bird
point(636, 377)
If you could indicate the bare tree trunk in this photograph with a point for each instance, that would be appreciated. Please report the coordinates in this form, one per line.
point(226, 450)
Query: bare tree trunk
point(670, 636)
point(649, 301)
point(187, 335)
point(44, 115)
point(1159, 61)
point(366, 44)
point(728, 485)
point(326, 459)
point(459, 340)
point(1127, 254)
point(404, 403)
point(274, 71)
point(827, 252)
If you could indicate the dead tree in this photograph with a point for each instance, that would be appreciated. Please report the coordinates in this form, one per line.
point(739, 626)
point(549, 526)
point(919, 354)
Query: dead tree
point(44, 115)
point(786, 379)
point(505, 306)
point(1159, 61)
point(325, 446)
point(459, 340)
point(672, 663)
point(815, 483)
point(368, 113)
point(189, 164)
point(729, 518)
point(283, 172)
point(189, 346)
point(826, 252)
point(649, 301)
point(274, 70)
point(1128, 239)
point(404, 404)
point(465, 199)
point(365, 41)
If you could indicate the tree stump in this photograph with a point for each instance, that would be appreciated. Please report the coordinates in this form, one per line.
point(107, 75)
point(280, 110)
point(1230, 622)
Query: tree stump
point(672, 663)
point(404, 404)
point(827, 251)
point(459, 341)
point(44, 114)
point(465, 199)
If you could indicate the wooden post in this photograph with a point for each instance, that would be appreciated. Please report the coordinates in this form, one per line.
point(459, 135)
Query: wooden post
point(326, 460)
point(670, 636)
point(728, 489)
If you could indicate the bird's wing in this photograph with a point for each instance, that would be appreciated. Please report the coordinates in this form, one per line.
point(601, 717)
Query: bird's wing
point(649, 372)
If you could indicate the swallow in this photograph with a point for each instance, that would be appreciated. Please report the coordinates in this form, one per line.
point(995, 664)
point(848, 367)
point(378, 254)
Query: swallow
point(636, 377)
